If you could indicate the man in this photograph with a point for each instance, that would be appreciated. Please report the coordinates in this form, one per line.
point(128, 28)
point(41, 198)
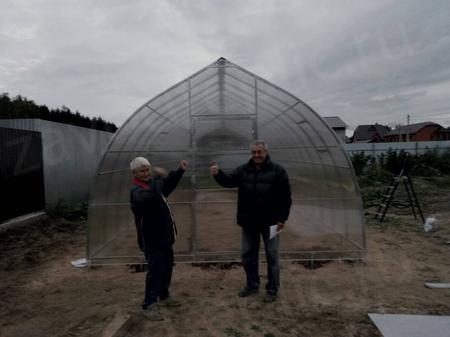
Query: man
point(156, 230)
point(264, 199)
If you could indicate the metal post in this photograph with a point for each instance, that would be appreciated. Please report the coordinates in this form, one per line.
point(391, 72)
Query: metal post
point(255, 120)
point(193, 148)
point(407, 128)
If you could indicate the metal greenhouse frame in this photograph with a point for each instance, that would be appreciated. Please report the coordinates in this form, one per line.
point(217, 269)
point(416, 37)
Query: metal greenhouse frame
point(214, 115)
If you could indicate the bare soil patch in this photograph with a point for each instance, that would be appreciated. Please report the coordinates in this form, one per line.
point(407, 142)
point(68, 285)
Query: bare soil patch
point(41, 294)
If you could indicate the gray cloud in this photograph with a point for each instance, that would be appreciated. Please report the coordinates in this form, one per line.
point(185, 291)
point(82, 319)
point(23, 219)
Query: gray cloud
point(365, 61)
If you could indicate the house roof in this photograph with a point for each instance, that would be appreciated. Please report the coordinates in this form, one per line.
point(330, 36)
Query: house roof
point(410, 129)
point(444, 130)
point(364, 133)
point(335, 122)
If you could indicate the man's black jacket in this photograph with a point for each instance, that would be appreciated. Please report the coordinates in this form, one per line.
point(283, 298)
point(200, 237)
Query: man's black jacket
point(264, 195)
point(155, 226)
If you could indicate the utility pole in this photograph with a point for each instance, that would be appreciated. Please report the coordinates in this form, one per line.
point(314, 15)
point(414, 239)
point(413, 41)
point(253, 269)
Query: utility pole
point(407, 128)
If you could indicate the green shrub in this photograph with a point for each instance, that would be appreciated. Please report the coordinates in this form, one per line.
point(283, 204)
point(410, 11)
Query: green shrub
point(359, 161)
point(69, 211)
point(380, 168)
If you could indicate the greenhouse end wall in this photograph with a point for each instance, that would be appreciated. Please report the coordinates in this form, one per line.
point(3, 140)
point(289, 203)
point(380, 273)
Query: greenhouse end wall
point(214, 115)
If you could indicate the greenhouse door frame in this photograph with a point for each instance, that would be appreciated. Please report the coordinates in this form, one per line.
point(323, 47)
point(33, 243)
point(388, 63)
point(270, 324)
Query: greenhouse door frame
point(196, 120)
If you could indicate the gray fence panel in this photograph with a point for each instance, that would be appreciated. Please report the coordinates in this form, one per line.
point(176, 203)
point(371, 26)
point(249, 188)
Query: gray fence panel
point(376, 149)
point(70, 154)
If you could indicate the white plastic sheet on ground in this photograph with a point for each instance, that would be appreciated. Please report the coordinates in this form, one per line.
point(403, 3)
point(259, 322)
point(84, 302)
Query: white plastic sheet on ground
point(412, 325)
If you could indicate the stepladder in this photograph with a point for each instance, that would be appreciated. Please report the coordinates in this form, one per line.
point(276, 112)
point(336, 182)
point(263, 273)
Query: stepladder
point(387, 200)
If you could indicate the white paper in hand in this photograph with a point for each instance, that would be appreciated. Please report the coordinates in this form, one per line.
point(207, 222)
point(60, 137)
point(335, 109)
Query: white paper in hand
point(273, 231)
point(80, 263)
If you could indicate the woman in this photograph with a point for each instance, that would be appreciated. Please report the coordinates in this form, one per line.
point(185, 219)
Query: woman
point(156, 230)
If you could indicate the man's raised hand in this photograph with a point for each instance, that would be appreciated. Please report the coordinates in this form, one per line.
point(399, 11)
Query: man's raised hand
point(184, 165)
point(214, 169)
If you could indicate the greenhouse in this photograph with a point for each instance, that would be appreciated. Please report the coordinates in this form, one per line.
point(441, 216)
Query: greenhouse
point(214, 115)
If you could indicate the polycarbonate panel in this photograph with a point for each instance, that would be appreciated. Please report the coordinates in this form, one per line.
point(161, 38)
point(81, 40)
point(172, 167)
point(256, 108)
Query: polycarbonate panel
point(318, 182)
point(114, 233)
point(270, 107)
point(206, 107)
point(169, 160)
point(238, 106)
point(325, 225)
point(241, 75)
point(118, 236)
point(239, 89)
point(284, 131)
point(214, 115)
point(207, 96)
point(203, 76)
point(327, 156)
point(226, 161)
point(113, 161)
point(184, 216)
point(112, 188)
point(170, 100)
point(204, 92)
point(237, 103)
point(170, 136)
point(316, 127)
point(122, 136)
point(240, 83)
point(223, 134)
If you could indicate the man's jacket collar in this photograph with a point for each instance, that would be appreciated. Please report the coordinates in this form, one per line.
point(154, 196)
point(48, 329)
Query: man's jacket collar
point(264, 165)
point(144, 184)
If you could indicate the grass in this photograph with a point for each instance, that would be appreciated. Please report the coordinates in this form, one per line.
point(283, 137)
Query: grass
point(230, 331)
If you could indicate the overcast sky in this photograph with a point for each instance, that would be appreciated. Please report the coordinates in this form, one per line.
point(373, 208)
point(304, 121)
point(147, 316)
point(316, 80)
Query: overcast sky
point(364, 61)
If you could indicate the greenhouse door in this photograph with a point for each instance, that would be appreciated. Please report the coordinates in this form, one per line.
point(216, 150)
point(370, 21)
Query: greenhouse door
point(225, 139)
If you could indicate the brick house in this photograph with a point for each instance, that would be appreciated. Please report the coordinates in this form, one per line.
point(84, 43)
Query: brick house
point(443, 134)
point(420, 132)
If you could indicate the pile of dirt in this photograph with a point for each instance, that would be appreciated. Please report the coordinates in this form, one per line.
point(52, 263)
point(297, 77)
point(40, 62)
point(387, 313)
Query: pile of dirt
point(28, 244)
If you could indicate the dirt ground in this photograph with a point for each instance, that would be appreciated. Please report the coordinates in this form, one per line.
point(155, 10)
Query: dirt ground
point(41, 294)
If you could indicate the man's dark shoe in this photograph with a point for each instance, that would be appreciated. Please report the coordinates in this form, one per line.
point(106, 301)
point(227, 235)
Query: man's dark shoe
point(169, 302)
point(246, 291)
point(269, 298)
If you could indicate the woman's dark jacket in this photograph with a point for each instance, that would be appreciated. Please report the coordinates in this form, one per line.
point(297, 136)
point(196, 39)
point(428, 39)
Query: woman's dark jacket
point(264, 195)
point(155, 226)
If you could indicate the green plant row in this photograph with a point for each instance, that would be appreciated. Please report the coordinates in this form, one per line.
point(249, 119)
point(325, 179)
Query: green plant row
point(428, 164)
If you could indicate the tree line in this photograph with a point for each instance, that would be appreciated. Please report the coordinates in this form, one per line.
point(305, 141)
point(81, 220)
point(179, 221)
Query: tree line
point(21, 107)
